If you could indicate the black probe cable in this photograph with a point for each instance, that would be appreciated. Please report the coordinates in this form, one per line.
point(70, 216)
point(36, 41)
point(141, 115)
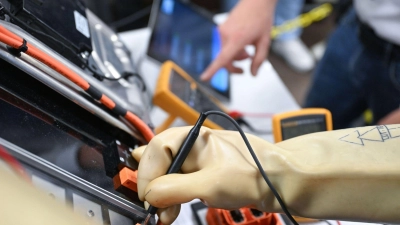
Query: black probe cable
point(187, 145)
point(260, 168)
point(180, 157)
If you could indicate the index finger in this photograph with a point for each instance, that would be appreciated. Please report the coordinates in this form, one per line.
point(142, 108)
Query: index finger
point(227, 55)
point(138, 152)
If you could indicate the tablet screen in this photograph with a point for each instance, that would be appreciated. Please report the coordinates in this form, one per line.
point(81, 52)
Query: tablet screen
point(189, 38)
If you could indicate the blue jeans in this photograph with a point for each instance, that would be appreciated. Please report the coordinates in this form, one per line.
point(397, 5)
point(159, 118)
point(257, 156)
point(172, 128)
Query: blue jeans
point(288, 10)
point(227, 5)
point(351, 77)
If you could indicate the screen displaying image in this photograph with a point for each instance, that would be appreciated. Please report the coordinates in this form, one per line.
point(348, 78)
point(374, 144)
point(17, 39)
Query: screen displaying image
point(294, 127)
point(188, 38)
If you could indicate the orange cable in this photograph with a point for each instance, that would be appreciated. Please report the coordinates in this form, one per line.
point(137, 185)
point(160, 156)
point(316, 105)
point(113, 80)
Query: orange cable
point(146, 131)
point(15, 41)
point(107, 102)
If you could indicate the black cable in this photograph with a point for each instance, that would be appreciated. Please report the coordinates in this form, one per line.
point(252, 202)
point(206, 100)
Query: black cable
point(124, 75)
point(41, 33)
point(180, 157)
point(102, 77)
point(17, 51)
point(260, 168)
point(2, 13)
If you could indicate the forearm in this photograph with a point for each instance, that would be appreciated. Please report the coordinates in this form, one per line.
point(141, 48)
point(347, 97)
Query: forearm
point(351, 174)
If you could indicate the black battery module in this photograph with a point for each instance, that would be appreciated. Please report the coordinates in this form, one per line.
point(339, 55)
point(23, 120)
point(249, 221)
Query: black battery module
point(62, 25)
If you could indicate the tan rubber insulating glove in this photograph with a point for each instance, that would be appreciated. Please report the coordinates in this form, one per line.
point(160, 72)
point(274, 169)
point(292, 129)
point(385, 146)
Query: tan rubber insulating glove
point(351, 174)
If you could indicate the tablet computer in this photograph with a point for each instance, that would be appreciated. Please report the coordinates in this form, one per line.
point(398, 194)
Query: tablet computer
point(187, 35)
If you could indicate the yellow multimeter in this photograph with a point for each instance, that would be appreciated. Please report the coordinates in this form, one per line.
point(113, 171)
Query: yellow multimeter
point(179, 95)
point(304, 121)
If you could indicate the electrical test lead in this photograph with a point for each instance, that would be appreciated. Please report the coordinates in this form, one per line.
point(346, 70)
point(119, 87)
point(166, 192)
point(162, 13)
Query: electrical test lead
point(183, 152)
point(260, 168)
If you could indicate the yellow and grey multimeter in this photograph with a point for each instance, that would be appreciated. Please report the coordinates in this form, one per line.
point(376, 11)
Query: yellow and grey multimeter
point(178, 94)
point(304, 121)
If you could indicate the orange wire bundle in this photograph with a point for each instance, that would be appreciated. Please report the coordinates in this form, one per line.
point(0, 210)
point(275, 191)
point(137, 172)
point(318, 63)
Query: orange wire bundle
point(17, 42)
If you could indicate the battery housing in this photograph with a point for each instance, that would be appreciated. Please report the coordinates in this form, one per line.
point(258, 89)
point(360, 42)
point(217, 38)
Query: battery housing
point(61, 24)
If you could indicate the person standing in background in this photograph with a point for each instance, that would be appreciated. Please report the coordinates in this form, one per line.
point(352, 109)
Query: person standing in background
point(360, 69)
point(288, 45)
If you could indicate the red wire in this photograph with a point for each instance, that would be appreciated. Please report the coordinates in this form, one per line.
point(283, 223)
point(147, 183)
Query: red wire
point(251, 114)
point(13, 163)
point(237, 114)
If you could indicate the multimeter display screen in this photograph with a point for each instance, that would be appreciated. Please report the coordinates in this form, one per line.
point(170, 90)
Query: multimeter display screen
point(197, 99)
point(301, 125)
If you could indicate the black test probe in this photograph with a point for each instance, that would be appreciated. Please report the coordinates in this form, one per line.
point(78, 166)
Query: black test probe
point(181, 156)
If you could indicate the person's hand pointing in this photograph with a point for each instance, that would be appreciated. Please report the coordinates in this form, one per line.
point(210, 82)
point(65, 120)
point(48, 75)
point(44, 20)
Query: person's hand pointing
point(249, 23)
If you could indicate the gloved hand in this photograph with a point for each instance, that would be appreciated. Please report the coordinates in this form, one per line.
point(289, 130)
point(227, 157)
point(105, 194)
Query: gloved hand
point(219, 170)
point(350, 174)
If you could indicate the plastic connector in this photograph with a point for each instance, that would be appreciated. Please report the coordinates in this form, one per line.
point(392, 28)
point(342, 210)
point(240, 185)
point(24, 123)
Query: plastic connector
point(126, 178)
point(243, 216)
